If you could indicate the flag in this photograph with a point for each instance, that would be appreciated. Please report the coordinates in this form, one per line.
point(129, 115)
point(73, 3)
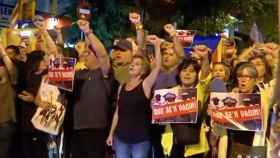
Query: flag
point(211, 41)
point(24, 9)
point(255, 34)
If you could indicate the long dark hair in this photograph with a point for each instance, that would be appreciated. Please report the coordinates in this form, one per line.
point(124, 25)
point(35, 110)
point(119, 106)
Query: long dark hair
point(185, 64)
point(32, 80)
point(33, 61)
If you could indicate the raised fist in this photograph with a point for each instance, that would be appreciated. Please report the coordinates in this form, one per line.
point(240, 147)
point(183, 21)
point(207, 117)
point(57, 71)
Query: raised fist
point(84, 25)
point(154, 40)
point(201, 50)
point(170, 29)
point(134, 18)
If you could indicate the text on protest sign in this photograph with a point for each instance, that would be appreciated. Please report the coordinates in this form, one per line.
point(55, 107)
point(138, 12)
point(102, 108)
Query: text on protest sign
point(175, 105)
point(236, 110)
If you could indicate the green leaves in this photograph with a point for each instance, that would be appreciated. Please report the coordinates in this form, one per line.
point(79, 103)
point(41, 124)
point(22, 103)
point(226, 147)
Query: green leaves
point(110, 17)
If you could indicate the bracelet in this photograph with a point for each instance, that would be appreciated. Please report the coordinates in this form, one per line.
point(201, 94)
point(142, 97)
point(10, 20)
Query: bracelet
point(139, 26)
point(88, 32)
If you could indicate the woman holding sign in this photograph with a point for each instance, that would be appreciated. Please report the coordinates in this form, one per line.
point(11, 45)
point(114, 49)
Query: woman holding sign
point(247, 76)
point(190, 139)
point(130, 130)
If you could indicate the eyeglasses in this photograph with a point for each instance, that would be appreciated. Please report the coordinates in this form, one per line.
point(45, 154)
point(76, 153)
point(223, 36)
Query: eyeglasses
point(244, 77)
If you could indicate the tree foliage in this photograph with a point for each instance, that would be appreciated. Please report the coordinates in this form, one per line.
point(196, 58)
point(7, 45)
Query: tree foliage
point(110, 17)
point(263, 12)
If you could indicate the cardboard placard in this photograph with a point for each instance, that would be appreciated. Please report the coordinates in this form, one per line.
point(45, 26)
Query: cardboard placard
point(176, 105)
point(236, 111)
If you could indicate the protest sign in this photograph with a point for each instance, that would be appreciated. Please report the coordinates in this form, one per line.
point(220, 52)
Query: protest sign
point(236, 111)
point(49, 119)
point(61, 72)
point(175, 105)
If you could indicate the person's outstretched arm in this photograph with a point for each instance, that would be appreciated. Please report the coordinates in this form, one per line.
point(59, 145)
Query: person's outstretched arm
point(98, 47)
point(205, 65)
point(151, 79)
point(50, 43)
point(178, 48)
point(8, 64)
point(135, 19)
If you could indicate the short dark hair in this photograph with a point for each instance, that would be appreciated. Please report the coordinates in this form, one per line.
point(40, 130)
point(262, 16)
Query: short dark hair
point(15, 49)
point(185, 64)
point(33, 60)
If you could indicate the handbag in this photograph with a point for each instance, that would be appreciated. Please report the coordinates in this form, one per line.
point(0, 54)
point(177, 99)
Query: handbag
point(186, 134)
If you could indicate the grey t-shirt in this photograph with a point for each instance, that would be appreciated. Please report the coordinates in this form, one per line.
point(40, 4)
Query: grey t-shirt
point(166, 80)
point(91, 106)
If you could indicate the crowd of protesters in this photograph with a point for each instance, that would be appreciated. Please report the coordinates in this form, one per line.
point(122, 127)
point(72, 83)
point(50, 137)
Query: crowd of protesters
point(110, 103)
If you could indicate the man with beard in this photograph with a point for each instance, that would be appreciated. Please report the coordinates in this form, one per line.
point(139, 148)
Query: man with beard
point(124, 49)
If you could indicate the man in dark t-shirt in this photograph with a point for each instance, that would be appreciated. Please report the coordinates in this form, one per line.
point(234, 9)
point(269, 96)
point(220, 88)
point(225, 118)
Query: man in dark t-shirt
point(91, 102)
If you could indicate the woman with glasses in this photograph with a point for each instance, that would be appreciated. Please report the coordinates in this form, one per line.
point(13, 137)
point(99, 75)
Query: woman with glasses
point(247, 76)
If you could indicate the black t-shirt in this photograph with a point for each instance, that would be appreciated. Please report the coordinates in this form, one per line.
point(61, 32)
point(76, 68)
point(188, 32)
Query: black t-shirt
point(32, 85)
point(91, 100)
point(134, 115)
point(21, 75)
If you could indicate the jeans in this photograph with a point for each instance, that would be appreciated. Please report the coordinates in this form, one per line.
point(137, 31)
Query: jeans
point(126, 150)
point(6, 138)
